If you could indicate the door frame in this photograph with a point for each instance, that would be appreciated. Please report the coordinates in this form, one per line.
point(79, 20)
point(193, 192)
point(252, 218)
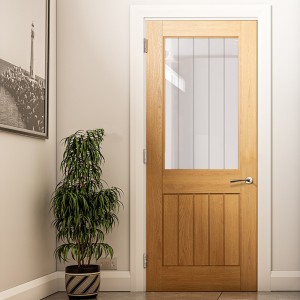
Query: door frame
point(138, 15)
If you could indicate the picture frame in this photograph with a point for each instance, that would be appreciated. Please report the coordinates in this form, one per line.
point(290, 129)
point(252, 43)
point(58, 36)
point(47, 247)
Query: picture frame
point(24, 67)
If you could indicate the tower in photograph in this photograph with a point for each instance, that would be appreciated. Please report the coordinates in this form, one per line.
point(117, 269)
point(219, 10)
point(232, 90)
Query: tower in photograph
point(32, 52)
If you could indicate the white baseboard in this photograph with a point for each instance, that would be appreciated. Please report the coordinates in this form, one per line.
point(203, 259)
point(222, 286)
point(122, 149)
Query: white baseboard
point(110, 281)
point(285, 281)
point(120, 281)
point(55, 282)
point(32, 290)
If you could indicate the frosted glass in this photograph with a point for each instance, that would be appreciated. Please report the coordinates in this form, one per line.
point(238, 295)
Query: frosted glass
point(172, 84)
point(201, 103)
point(186, 105)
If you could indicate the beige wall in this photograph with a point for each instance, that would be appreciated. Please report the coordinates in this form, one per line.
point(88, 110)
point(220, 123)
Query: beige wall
point(93, 91)
point(27, 179)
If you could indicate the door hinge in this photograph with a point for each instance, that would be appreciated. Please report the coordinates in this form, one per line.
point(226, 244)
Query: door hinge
point(145, 260)
point(145, 156)
point(145, 46)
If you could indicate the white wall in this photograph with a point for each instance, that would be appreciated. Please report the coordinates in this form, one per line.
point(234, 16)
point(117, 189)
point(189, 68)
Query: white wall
point(27, 179)
point(93, 91)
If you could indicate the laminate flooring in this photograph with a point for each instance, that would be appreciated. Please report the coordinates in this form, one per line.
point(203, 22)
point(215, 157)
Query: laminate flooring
point(188, 296)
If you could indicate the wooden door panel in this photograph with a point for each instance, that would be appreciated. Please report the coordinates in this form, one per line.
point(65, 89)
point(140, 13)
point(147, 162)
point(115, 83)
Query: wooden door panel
point(170, 229)
point(232, 229)
point(203, 278)
point(201, 229)
point(186, 230)
point(216, 234)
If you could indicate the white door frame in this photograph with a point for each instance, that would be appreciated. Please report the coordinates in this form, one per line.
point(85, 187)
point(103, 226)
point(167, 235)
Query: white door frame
point(138, 15)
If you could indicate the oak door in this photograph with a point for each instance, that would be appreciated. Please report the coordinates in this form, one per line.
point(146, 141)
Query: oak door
point(201, 134)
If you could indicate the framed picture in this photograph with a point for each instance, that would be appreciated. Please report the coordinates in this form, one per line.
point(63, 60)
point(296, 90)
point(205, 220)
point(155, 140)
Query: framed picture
point(24, 65)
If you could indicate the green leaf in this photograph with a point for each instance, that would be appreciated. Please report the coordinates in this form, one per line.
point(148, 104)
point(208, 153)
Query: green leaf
point(83, 210)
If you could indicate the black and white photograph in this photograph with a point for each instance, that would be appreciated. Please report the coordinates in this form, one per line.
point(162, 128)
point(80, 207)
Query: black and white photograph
point(24, 66)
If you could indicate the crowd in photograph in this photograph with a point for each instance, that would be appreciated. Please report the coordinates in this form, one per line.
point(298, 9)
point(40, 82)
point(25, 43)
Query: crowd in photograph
point(29, 95)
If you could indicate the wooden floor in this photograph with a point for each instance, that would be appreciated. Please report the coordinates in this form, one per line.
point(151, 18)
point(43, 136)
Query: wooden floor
point(187, 296)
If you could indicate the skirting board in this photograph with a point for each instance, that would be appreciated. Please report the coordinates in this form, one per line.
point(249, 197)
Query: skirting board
point(120, 281)
point(55, 282)
point(285, 281)
point(33, 290)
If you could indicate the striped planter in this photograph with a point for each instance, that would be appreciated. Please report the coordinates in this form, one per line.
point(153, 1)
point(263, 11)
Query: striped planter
point(82, 282)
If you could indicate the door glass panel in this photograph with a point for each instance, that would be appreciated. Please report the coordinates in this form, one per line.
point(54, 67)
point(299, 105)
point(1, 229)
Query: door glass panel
point(201, 103)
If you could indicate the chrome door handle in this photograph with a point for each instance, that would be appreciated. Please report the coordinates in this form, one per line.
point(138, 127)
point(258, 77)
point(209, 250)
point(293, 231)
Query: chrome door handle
point(247, 180)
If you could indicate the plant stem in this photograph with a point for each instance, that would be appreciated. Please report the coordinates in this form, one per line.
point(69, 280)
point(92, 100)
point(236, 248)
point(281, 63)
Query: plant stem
point(90, 255)
point(78, 257)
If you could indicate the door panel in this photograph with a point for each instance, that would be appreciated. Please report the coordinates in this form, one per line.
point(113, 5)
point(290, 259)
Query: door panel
point(201, 278)
point(216, 236)
point(170, 217)
point(201, 103)
point(232, 229)
point(201, 229)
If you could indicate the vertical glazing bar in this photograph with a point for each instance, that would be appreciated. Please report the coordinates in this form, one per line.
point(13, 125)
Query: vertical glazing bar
point(224, 104)
point(193, 103)
point(178, 71)
point(208, 121)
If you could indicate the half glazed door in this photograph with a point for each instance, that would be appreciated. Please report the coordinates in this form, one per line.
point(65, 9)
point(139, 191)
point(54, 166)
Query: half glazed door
point(201, 156)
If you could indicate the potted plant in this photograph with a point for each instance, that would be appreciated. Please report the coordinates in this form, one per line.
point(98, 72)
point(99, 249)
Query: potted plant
point(84, 210)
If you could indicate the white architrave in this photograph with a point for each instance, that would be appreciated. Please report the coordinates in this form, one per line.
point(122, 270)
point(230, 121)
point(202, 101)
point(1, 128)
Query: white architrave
point(138, 15)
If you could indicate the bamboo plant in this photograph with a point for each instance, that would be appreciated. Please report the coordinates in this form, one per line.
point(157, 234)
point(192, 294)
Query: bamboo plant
point(84, 207)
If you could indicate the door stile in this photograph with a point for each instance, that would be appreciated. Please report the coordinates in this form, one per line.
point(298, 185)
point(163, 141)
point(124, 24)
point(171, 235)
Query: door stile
point(154, 159)
point(248, 125)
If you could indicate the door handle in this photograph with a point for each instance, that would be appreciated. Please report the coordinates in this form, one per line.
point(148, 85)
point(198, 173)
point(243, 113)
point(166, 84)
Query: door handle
point(247, 180)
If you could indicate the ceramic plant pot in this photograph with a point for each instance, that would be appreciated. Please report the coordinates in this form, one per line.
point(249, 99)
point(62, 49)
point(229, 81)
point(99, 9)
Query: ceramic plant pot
point(82, 282)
